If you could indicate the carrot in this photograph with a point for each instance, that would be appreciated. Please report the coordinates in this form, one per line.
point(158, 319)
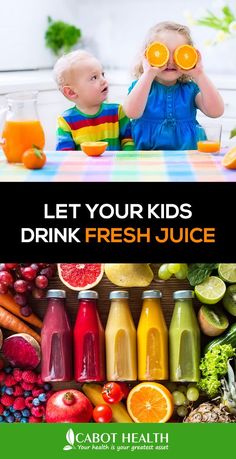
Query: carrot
point(8, 302)
point(11, 322)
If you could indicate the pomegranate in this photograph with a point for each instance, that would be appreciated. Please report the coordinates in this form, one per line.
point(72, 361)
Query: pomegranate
point(68, 406)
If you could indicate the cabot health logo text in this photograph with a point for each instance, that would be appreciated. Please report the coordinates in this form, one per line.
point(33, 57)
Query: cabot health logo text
point(108, 441)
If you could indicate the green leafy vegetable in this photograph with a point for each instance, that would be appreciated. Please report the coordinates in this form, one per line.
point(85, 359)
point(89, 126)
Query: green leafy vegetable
point(61, 37)
point(213, 366)
point(198, 272)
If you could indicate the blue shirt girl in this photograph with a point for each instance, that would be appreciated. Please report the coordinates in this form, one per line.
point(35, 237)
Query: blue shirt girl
point(163, 101)
point(169, 118)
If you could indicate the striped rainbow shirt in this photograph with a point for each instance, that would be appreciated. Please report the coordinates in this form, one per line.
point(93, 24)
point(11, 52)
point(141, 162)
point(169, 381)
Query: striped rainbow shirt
point(109, 124)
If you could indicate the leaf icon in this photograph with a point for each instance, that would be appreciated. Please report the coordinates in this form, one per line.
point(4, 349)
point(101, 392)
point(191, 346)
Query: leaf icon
point(67, 447)
point(70, 436)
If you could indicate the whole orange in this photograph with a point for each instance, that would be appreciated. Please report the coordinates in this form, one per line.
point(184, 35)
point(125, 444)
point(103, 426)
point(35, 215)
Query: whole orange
point(34, 158)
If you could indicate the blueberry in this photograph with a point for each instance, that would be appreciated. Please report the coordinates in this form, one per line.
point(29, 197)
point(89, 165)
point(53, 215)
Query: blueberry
point(9, 391)
point(2, 419)
point(24, 420)
point(10, 418)
point(36, 402)
point(3, 389)
point(25, 412)
point(27, 393)
point(12, 409)
point(6, 413)
point(18, 414)
point(42, 397)
point(8, 370)
point(47, 386)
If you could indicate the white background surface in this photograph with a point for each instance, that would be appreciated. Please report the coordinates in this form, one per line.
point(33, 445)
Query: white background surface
point(113, 30)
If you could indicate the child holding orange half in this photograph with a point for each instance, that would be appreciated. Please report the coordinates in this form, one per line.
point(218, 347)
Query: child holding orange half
point(80, 78)
point(164, 99)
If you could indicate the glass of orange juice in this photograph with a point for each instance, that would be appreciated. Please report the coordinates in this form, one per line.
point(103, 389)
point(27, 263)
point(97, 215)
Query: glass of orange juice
point(209, 138)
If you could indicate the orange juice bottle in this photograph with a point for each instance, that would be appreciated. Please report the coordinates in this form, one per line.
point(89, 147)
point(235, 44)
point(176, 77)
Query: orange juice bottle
point(22, 128)
point(120, 336)
point(152, 340)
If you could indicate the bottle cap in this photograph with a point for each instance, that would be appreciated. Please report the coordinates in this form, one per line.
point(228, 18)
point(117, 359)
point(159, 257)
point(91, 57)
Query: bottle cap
point(183, 294)
point(119, 294)
point(88, 294)
point(151, 294)
point(52, 293)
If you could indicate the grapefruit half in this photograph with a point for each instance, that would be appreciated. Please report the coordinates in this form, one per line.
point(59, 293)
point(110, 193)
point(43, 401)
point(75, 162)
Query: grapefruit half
point(80, 276)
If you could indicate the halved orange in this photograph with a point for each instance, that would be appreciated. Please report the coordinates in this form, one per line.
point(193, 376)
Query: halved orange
point(93, 148)
point(186, 57)
point(229, 159)
point(157, 54)
point(150, 402)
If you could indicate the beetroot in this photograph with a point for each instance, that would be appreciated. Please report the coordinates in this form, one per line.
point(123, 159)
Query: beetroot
point(1, 338)
point(22, 350)
point(68, 406)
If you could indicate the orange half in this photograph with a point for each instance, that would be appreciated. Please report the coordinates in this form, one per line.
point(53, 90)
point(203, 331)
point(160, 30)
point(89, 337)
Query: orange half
point(186, 57)
point(157, 54)
point(93, 148)
point(150, 402)
point(229, 159)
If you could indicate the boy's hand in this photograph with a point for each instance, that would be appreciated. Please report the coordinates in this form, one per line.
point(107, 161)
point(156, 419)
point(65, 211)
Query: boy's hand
point(197, 70)
point(152, 71)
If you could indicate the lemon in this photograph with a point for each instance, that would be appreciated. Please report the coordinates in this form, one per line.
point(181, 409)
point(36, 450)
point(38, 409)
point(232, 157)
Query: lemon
point(129, 275)
point(227, 272)
point(211, 290)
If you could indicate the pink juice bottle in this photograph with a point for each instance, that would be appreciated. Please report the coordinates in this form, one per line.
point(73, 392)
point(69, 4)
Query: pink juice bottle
point(89, 340)
point(56, 340)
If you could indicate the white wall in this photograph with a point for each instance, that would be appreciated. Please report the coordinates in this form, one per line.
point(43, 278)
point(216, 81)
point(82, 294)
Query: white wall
point(114, 30)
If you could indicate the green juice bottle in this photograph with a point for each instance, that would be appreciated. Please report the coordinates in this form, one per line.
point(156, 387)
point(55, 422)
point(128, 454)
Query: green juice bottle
point(184, 339)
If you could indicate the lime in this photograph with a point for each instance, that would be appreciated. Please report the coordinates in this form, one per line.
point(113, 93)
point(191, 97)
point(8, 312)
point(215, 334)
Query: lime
point(211, 290)
point(227, 272)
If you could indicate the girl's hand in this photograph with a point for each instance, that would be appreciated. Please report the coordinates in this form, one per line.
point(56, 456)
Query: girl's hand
point(152, 71)
point(197, 70)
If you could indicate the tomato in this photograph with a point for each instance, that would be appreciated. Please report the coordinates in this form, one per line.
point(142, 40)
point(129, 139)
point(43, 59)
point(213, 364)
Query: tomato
point(34, 158)
point(102, 413)
point(125, 389)
point(112, 392)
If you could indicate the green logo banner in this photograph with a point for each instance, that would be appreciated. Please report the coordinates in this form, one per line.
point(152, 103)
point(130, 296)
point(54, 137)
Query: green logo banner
point(69, 441)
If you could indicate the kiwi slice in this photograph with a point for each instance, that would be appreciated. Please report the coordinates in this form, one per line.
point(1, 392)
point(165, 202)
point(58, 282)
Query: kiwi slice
point(212, 320)
point(229, 299)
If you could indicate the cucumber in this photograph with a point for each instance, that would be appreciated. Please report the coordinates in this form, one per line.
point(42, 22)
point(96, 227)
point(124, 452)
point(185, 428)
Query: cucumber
point(229, 337)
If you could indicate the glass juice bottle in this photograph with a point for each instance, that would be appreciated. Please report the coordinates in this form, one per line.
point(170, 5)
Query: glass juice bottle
point(120, 337)
point(56, 340)
point(152, 339)
point(89, 340)
point(184, 339)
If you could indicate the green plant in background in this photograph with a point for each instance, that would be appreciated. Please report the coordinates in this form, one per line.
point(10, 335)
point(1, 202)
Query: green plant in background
point(233, 133)
point(224, 22)
point(60, 36)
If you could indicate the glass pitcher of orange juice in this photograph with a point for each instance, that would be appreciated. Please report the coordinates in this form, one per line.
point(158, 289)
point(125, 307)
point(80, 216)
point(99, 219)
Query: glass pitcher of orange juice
point(22, 128)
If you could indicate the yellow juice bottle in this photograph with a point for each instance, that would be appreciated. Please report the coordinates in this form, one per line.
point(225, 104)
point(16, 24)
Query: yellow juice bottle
point(120, 336)
point(152, 339)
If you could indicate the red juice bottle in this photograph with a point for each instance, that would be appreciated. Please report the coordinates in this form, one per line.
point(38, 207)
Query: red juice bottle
point(56, 340)
point(89, 340)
